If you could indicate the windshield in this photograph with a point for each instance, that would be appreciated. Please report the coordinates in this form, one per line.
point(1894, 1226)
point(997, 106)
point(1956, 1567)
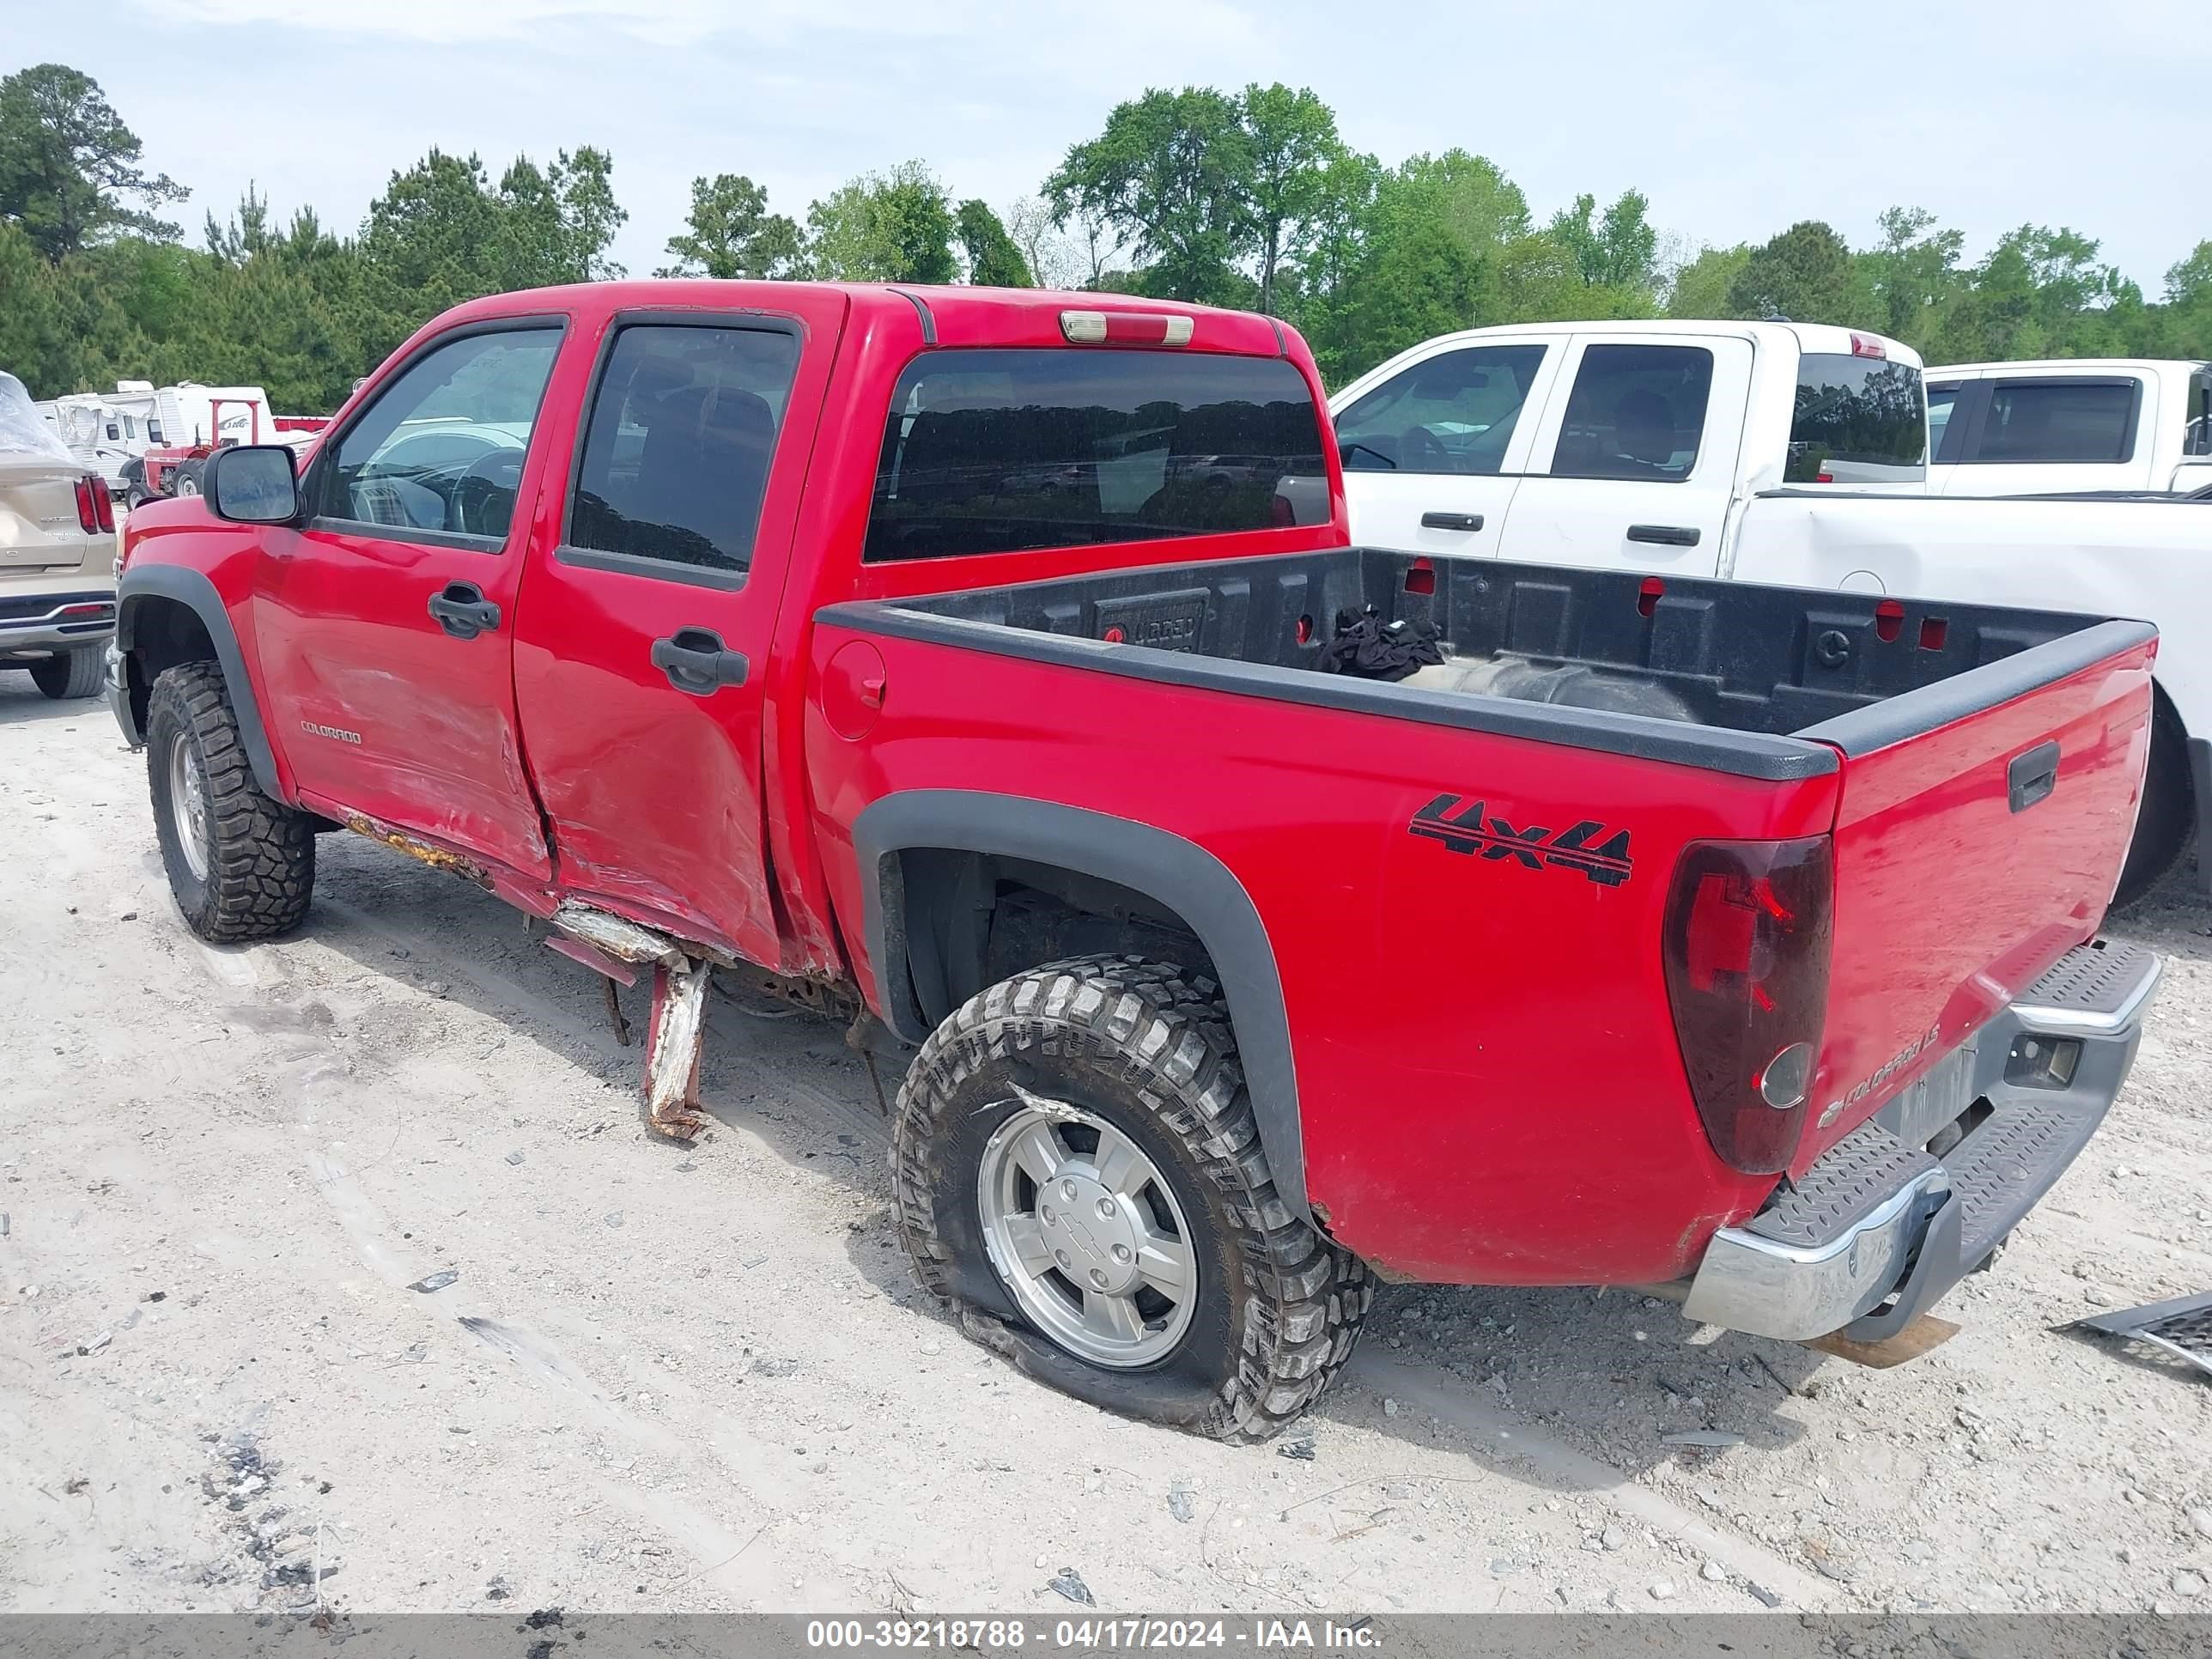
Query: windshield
point(23, 430)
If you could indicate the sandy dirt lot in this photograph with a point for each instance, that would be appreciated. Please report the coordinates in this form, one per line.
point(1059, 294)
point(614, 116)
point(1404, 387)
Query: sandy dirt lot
point(688, 1381)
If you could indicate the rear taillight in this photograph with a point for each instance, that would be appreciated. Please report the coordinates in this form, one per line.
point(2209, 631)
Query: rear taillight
point(88, 516)
point(103, 505)
point(1745, 944)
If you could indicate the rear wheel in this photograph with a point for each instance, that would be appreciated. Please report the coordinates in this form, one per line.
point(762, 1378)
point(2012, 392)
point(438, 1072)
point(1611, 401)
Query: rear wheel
point(2166, 821)
point(1075, 1155)
point(73, 674)
point(240, 864)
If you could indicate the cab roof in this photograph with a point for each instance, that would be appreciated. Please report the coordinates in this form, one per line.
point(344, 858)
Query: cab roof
point(1825, 338)
point(949, 314)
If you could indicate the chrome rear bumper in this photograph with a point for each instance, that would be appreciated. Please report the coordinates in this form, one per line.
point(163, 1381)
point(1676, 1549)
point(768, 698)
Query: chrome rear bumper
point(1879, 1228)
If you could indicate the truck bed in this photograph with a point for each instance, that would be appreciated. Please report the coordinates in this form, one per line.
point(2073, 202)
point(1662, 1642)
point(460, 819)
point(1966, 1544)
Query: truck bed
point(1974, 769)
point(1757, 681)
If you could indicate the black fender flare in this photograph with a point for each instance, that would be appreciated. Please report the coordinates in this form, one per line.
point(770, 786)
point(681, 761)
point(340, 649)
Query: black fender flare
point(1176, 873)
point(191, 589)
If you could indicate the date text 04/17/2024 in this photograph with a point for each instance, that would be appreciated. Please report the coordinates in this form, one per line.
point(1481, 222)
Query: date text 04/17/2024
point(1093, 1634)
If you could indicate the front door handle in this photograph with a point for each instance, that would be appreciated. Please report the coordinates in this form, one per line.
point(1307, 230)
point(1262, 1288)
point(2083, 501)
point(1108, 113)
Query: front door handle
point(1666, 535)
point(2032, 776)
point(1469, 521)
point(463, 611)
point(696, 661)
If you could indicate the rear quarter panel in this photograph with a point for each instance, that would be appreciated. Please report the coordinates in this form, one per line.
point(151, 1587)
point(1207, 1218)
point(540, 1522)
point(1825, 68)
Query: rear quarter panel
point(1488, 1081)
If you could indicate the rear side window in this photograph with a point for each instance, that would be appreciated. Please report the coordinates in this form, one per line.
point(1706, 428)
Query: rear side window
point(2198, 439)
point(2059, 420)
point(1454, 413)
point(1636, 411)
point(676, 453)
point(1002, 450)
point(1858, 420)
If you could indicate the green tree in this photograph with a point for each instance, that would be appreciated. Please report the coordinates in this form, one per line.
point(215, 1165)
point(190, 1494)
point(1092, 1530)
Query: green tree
point(67, 164)
point(2185, 328)
point(1405, 252)
point(1170, 175)
point(1620, 250)
point(1701, 289)
point(1283, 187)
point(1805, 273)
point(37, 344)
point(1913, 276)
point(556, 225)
point(2041, 293)
point(442, 233)
point(730, 232)
point(893, 227)
point(994, 260)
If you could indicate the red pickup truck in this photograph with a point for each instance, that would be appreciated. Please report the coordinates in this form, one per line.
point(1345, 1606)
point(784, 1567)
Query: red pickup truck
point(993, 666)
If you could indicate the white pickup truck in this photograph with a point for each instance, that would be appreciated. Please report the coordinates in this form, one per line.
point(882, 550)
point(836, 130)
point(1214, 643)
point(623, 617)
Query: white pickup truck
point(2084, 424)
point(1783, 453)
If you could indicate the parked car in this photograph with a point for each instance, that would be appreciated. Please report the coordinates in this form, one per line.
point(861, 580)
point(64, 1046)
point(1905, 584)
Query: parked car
point(1778, 453)
point(57, 553)
point(2083, 423)
point(1225, 982)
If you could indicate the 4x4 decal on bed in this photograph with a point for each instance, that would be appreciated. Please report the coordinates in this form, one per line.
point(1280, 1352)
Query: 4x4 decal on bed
point(1472, 829)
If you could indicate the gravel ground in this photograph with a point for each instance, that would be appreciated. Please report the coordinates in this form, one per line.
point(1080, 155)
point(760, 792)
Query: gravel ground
point(684, 1381)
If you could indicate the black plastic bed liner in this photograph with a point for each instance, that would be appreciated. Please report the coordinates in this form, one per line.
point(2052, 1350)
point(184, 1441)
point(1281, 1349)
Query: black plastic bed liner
point(1741, 677)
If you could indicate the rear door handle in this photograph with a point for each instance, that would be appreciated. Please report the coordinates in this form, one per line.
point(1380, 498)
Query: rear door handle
point(1469, 521)
point(1666, 535)
point(696, 661)
point(2032, 775)
point(463, 611)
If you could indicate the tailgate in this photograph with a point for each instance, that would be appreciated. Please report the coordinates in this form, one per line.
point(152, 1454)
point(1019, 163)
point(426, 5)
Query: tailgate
point(1983, 823)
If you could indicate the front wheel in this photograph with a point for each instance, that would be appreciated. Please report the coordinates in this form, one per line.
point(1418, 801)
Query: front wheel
point(75, 673)
point(240, 864)
point(1075, 1154)
point(187, 484)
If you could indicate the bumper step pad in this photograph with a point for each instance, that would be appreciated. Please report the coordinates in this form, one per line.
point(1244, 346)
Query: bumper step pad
point(2097, 978)
point(1851, 1178)
point(2182, 1327)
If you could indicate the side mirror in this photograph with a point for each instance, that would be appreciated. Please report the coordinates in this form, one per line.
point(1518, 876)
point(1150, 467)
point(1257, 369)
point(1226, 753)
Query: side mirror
point(252, 483)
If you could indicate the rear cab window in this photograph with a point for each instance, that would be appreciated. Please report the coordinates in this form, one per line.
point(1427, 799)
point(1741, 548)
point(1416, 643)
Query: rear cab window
point(1860, 420)
point(1002, 450)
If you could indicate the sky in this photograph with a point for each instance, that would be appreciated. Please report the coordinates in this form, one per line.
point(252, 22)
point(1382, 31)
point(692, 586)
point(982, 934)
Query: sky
point(1735, 119)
